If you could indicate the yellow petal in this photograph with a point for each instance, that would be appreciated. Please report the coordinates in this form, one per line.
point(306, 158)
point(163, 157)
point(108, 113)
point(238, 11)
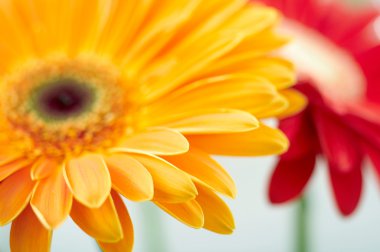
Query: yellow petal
point(218, 32)
point(52, 200)
point(89, 180)
point(101, 223)
point(260, 142)
point(262, 17)
point(170, 183)
point(7, 156)
point(124, 21)
point(169, 16)
point(202, 24)
point(33, 28)
point(9, 168)
point(213, 122)
point(15, 192)
point(43, 168)
point(159, 141)
point(200, 165)
point(279, 72)
point(218, 217)
point(255, 46)
point(273, 108)
point(82, 28)
point(191, 64)
point(19, 44)
point(125, 244)
point(28, 234)
point(129, 177)
point(69, 31)
point(237, 91)
point(297, 102)
point(246, 54)
point(188, 212)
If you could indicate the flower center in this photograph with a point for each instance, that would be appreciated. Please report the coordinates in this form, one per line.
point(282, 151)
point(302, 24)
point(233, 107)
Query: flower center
point(334, 72)
point(63, 106)
point(63, 99)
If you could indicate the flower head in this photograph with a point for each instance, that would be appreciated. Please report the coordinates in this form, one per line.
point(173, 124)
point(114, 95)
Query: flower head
point(335, 63)
point(108, 97)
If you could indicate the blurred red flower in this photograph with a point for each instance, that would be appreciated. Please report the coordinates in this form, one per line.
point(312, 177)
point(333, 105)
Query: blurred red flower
point(337, 58)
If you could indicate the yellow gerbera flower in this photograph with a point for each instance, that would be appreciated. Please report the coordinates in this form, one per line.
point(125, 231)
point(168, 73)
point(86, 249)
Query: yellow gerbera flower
point(101, 97)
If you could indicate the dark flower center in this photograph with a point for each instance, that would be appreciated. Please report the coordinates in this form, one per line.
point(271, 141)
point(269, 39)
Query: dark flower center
point(63, 98)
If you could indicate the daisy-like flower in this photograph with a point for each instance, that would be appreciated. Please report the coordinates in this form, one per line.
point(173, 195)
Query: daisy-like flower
point(108, 97)
point(335, 67)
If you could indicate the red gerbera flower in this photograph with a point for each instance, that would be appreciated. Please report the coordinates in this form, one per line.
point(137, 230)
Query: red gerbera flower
point(335, 52)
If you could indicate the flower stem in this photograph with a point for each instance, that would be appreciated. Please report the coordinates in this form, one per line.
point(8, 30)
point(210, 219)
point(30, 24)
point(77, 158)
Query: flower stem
point(302, 227)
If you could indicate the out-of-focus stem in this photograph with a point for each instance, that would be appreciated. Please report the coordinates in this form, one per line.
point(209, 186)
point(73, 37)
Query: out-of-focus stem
point(302, 225)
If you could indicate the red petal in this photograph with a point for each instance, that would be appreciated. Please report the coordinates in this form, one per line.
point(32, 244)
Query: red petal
point(374, 155)
point(290, 178)
point(294, 9)
point(301, 134)
point(368, 130)
point(338, 142)
point(369, 62)
point(347, 188)
point(325, 17)
point(349, 32)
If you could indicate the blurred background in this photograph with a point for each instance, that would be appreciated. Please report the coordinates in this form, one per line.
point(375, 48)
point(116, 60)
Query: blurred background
point(259, 226)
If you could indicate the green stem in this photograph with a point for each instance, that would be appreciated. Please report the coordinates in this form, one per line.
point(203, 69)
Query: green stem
point(302, 227)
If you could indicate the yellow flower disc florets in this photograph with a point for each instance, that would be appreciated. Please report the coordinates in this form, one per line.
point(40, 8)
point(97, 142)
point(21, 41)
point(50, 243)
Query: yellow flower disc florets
point(62, 106)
